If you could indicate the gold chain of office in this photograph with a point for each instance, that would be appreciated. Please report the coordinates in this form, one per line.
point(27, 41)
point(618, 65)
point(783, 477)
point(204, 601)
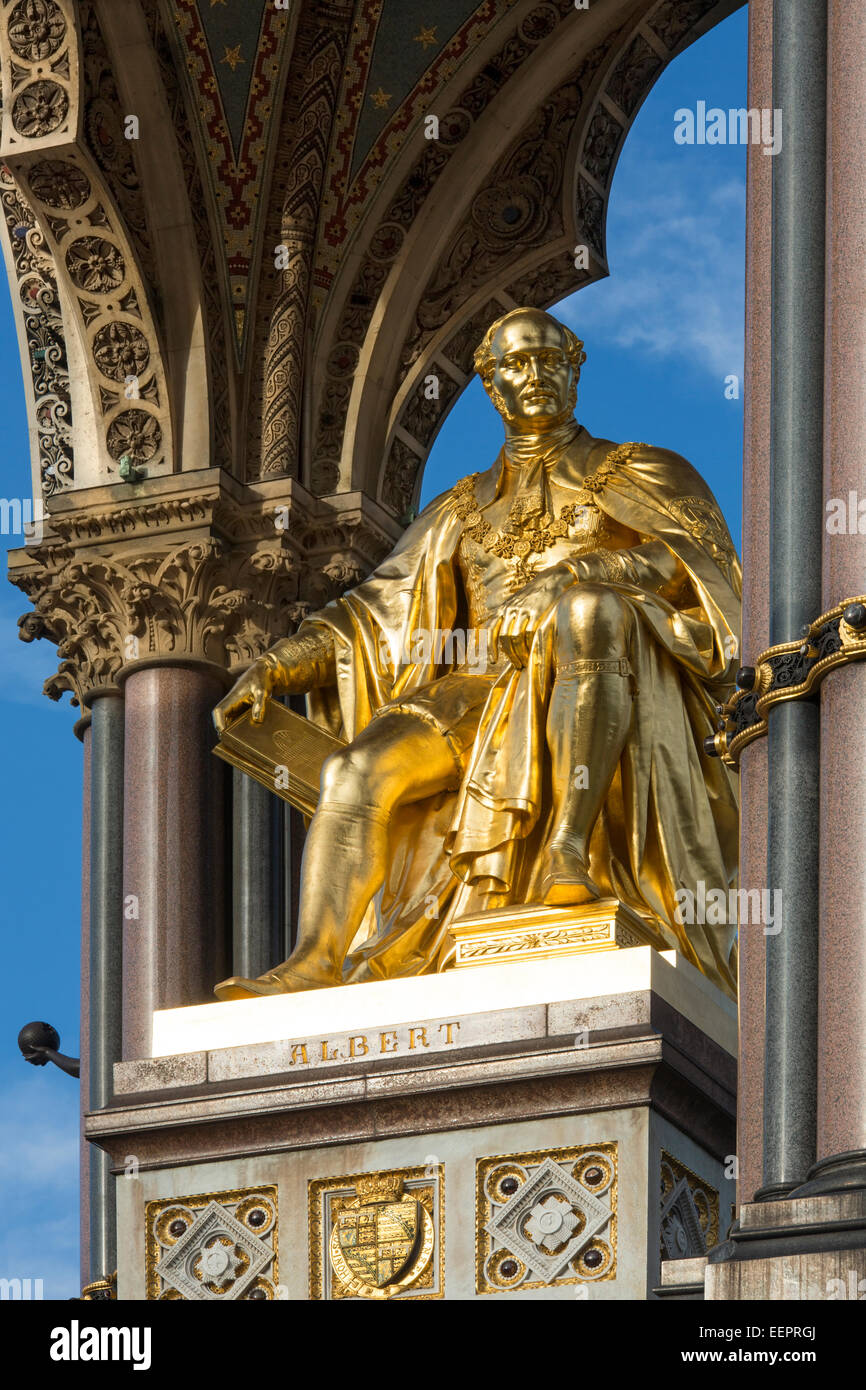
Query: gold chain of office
point(532, 539)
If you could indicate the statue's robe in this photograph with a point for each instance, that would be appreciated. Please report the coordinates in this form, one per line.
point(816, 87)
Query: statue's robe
point(670, 819)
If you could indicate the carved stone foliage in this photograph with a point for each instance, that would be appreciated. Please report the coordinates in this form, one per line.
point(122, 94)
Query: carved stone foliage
point(89, 247)
point(401, 476)
point(110, 297)
point(38, 304)
point(638, 68)
point(518, 208)
point(200, 601)
point(213, 1247)
point(71, 185)
point(197, 577)
point(39, 73)
point(103, 126)
point(673, 20)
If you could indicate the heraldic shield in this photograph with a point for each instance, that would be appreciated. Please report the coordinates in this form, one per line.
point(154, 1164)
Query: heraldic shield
point(378, 1247)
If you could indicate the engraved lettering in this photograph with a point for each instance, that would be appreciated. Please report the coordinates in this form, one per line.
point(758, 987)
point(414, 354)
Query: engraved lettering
point(448, 1027)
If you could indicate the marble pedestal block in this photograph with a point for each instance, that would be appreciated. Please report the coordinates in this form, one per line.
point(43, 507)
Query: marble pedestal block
point(547, 1130)
point(803, 1248)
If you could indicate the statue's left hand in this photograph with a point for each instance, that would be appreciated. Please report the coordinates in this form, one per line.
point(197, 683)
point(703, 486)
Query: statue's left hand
point(517, 620)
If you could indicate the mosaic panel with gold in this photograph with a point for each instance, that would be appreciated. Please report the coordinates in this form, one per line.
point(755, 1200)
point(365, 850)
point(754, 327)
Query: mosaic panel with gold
point(689, 1212)
point(378, 1235)
point(213, 1246)
point(546, 1218)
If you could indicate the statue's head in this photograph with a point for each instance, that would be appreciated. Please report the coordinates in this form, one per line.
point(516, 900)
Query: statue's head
point(530, 366)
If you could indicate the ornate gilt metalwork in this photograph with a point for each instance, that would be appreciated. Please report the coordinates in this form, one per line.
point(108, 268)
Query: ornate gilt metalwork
point(546, 1218)
point(213, 1246)
point(543, 933)
point(378, 1235)
point(789, 671)
point(100, 1290)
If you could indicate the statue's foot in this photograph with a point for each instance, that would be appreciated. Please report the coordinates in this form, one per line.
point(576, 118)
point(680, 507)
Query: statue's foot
point(565, 880)
point(284, 981)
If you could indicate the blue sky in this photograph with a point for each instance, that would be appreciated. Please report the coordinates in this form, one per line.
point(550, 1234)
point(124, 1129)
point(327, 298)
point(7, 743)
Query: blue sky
point(662, 333)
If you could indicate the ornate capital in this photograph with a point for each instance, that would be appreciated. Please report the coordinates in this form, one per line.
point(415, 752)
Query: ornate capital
point(208, 577)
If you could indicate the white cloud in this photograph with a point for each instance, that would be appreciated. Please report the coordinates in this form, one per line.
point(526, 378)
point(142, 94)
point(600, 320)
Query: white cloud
point(675, 251)
point(39, 1178)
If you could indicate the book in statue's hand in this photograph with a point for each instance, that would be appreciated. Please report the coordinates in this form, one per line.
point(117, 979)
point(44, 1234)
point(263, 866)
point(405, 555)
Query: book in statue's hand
point(285, 753)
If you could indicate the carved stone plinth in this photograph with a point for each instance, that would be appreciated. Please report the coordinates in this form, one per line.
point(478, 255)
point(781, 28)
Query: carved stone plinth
point(565, 1127)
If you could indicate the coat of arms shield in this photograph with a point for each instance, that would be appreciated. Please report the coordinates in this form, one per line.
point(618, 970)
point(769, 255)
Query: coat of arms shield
point(378, 1242)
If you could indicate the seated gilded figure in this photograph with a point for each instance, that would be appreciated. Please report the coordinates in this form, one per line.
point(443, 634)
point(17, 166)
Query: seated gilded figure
point(555, 755)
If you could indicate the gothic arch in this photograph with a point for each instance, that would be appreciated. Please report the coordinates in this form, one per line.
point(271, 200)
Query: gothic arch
point(520, 175)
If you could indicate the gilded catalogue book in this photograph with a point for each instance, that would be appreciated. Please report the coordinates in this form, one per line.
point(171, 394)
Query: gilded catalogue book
point(285, 753)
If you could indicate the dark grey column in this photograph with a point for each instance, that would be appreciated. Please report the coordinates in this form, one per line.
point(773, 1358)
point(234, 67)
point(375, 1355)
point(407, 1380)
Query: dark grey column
point(796, 529)
point(106, 959)
point(257, 944)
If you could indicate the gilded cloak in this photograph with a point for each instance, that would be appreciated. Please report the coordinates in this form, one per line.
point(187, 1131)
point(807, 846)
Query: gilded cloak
point(670, 818)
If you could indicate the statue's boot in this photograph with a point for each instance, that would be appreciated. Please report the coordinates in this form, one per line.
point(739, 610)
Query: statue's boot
point(344, 865)
point(587, 725)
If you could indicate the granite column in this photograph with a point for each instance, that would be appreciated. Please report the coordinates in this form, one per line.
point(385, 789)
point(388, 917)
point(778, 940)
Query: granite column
point(106, 757)
point(799, 99)
point(841, 1136)
point(176, 847)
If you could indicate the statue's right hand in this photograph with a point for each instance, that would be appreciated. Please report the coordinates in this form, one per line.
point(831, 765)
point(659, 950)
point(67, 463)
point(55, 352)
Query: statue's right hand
point(252, 690)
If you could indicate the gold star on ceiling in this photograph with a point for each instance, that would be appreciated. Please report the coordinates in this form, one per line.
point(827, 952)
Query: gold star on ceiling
point(427, 36)
point(216, 2)
point(233, 57)
point(381, 98)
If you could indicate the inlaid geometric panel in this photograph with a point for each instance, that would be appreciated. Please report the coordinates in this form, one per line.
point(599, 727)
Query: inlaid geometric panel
point(689, 1212)
point(546, 1218)
point(213, 1246)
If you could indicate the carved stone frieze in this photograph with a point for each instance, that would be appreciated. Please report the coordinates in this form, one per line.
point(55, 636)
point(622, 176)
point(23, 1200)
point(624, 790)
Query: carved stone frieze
point(40, 74)
point(38, 308)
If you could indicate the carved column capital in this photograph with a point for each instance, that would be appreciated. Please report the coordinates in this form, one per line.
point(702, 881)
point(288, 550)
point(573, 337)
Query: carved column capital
point(209, 578)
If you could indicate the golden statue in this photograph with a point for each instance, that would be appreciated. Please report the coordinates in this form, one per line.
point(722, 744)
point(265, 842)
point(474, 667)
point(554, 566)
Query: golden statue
point(524, 687)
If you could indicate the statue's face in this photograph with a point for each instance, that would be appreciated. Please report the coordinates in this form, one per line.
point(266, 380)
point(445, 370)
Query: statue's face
point(533, 379)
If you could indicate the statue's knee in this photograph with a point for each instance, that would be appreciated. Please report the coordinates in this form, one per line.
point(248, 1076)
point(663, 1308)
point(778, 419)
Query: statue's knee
point(347, 776)
point(591, 616)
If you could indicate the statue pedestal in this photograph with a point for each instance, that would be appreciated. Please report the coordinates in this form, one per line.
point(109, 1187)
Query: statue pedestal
point(543, 933)
point(550, 1131)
